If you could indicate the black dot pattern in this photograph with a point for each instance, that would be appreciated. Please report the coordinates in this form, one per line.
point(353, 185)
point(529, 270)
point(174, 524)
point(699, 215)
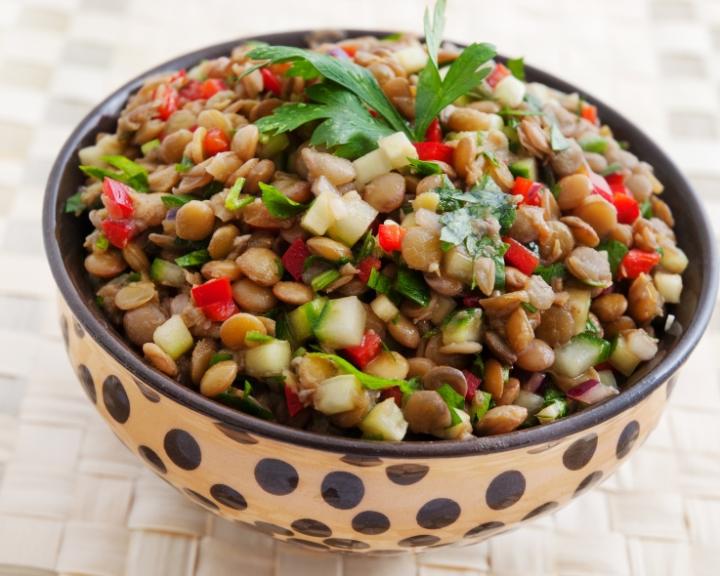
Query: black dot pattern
point(547, 507)
point(308, 543)
point(270, 528)
point(627, 439)
point(151, 457)
point(406, 474)
point(346, 544)
point(483, 528)
point(116, 399)
point(87, 382)
point(580, 452)
point(588, 482)
point(228, 496)
point(311, 527)
point(182, 449)
point(235, 433)
point(505, 490)
point(438, 513)
point(146, 391)
point(200, 499)
point(361, 461)
point(371, 523)
point(419, 540)
point(276, 477)
point(342, 490)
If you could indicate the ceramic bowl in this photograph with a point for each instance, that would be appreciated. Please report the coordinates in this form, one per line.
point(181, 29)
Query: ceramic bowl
point(343, 494)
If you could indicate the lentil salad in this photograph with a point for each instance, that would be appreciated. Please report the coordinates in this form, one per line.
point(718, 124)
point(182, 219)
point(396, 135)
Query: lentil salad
point(379, 237)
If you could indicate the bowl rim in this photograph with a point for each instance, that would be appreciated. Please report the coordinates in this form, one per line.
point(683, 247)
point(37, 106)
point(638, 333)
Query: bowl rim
point(95, 326)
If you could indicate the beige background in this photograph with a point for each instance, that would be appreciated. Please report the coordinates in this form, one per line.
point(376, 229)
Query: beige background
point(72, 501)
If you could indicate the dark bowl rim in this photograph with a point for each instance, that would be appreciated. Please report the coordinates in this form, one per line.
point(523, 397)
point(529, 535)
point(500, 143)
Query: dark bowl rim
point(590, 417)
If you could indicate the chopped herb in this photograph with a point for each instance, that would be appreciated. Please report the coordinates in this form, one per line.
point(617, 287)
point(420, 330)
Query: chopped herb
point(392, 37)
point(596, 144)
point(490, 157)
point(551, 394)
point(367, 380)
point(302, 69)
point(479, 409)
point(412, 285)
point(556, 270)
point(149, 146)
point(424, 167)
point(278, 204)
point(233, 201)
point(434, 29)
point(592, 328)
point(195, 258)
point(175, 200)
point(102, 243)
point(324, 279)
point(184, 165)
point(367, 248)
point(210, 189)
point(453, 400)
point(74, 204)
point(529, 307)
point(558, 142)
point(244, 403)
point(378, 281)
point(616, 252)
point(517, 67)
point(611, 169)
point(646, 210)
point(257, 337)
point(129, 172)
point(219, 357)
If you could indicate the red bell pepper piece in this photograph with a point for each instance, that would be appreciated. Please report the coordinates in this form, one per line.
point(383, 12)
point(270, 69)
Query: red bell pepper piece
point(118, 202)
point(215, 141)
point(210, 87)
point(350, 50)
point(363, 353)
point(499, 72)
point(213, 291)
point(271, 83)
point(600, 186)
point(366, 266)
point(434, 132)
point(529, 190)
point(628, 209)
point(292, 401)
point(180, 74)
point(520, 257)
point(390, 237)
point(434, 151)
point(589, 112)
point(118, 232)
point(395, 393)
point(220, 311)
point(473, 383)
point(191, 91)
point(637, 262)
point(294, 258)
point(168, 101)
point(616, 182)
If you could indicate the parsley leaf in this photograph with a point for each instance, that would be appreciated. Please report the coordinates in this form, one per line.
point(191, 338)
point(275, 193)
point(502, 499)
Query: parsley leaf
point(434, 30)
point(278, 204)
point(558, 142)
point(129, 172)
point(195, 258)
point(547, 273)
point(453, 400)
point(367, 380)
point(184, 165)
point(424, 167)
point(412, 285)
point(175, 200)
point(75, 204)
point(517, 67)
point(616, 252)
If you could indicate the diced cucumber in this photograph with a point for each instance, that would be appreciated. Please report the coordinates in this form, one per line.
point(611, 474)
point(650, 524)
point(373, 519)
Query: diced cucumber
point(457, 264)
point(622, 358)
point(556, 409)
point(342, 323)
point(669, 285)
point(268, 359)
point(510, 91)
point(338, 394)
point(373, 164)
point(412, 58)
point(167, 273)
point(607, 377)
point(527, 168)
point(641, 343)
point(458, 431)
point(530, 401)
point(350, 228)
point(463, 326)
point(398, 149)
point(579, 306)
point(593, 143)
point(319, 217)
point(304, 318)
point(385, 422)
point(581, 353)
point(384, 308)
point(673, 259)
point(173, 337)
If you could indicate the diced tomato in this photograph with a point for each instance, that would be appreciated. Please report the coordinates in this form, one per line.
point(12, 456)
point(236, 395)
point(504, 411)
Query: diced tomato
point(637, 262)
point(350, 50)
point(589, 112)
point(271, 83)
point(520, 257)
point(628, 209)
point(363, 353)
point(215, 141)
point(473, 383)
point(434, 132)
point(118, 232)
point(292, 401)
point(366, 266)
point(210, 87)
point(499, 72)
point(168, 101)
point(217, 290)
point(616, 181)
point(191, 91)
point(434, 151)
point(294, 258)
point(177, 76)
point(220, 311)
point(390, 237)
point(600, 186)
point(118, 202)
point(529, 190)
point(395, 393)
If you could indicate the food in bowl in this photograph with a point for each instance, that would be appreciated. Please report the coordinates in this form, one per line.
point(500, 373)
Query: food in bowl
point(378, 237)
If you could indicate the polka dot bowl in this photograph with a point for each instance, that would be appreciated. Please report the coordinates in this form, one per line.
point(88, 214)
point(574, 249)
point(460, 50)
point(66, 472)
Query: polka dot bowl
point(349, 495)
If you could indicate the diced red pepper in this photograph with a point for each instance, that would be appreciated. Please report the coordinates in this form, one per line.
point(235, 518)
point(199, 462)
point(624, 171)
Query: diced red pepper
point(294, 258)
point(210, 87)
point(169, 101)
point(499, 72)
point(191, 91)
point(220, 311)
point(473, 383)
point(395, 393)
point(434, 151)
point(637, 262)
point(118, 232)
point(292, 401)
point(628, 209)
point(520, 257)
point(616, 182)
point(350, 50)
point(215, 141)
point(390, 237)
point(271, 83)
point(177, 76)
point(366, 266)
point(434, 132)
point(217, 290)
point(600, 186)
point(118, 202)
point(529, 190)
point(589, 112)
point(363, 353)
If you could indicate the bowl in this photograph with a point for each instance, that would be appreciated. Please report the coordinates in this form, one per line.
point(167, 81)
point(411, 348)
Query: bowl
point(330, 493)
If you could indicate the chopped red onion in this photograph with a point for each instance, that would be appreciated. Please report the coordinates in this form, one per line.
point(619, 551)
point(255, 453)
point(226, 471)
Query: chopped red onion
point(533, 383)
point(591, 392)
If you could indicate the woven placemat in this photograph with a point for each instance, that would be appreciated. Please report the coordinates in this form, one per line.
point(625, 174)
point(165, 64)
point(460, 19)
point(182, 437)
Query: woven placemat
point(73, 501)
